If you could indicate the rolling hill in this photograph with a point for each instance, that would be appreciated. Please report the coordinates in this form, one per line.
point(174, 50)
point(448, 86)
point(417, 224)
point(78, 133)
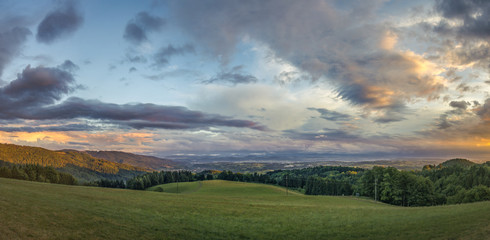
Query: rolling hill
point(222, 210)
point(457, 162)
point(142, 161)
point(79, 164)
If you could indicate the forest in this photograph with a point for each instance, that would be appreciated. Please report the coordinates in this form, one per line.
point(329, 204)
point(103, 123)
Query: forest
point(454, 181)
point(35, 173)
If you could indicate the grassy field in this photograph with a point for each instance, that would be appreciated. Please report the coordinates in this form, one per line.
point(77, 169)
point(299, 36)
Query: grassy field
point(222, 210)
point(183, 187)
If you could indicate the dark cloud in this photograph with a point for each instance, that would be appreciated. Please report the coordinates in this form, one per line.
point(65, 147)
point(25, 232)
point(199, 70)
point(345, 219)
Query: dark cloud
point(61, 128)
point(79, 143)
point(475, 15)
point(484, 111)
point(33, 88)
point(331, 115)
point(390, 117)
point(463, 32)
point(163, 55)
point(59, 23)
point(234, 76)
point(443, 122)
point(463, 105)
point(137, 29)
point(134, 33)
point(34, 95)
point(137, 115)
point(12, 39)
point(133, 69)
point(459, 109)
point(463, 87)
point(69, 66)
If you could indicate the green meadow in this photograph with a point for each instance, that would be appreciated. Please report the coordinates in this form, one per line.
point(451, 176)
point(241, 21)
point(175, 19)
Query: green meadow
point(221, 210)
point(184, 187)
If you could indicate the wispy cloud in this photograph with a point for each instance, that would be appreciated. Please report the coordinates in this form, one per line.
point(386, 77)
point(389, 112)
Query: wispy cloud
point(331, 115)
point(13, 35)
point(234, 76)
point(163, 55)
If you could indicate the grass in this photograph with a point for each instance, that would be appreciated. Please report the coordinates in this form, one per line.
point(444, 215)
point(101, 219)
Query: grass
point(183, 187)
point(222, 210)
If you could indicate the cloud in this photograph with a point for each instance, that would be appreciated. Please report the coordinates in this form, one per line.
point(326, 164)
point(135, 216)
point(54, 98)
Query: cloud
point(388, 80)
point(36, 93)
point(463, 105)
point(137, 28)
point(135, 58)
point(69, 66)
point(484, 111)
point(33, 88)
point(291, 77)
point(473, 15)
point(282, 110)
point(60, 128)
point(464, 31)
point(234, 76)
point(59, 23)
point(390, 117)
point(138, 115)
point(443, 122)
point(328, 43)
point(177, 73)
point(163, 55)
point(447, 120)
point(13, 35)
point(333, 135)
point(331, 115)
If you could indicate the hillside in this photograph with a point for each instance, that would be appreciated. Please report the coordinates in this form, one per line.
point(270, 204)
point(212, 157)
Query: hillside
point(81, 165)
point(148, 162)
point(222, 210)
point(457, 162)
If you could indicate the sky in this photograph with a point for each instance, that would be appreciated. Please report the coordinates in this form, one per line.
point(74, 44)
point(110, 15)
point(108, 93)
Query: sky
point(354, 78)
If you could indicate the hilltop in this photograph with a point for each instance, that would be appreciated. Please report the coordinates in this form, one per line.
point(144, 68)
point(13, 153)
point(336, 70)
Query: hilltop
point(461, 162)
point(81, 165)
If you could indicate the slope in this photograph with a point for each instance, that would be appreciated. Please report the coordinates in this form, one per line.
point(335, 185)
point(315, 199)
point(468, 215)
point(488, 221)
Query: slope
point(222, 210)
point(81, 165)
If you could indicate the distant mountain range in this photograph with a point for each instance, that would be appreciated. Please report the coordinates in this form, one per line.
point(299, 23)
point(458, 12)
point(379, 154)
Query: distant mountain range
point(86, 166)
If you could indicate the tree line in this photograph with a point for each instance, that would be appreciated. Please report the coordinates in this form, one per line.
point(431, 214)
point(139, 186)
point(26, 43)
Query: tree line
point(147, 180)
point(433, 185)
point(321, 180)
point(36, 173)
